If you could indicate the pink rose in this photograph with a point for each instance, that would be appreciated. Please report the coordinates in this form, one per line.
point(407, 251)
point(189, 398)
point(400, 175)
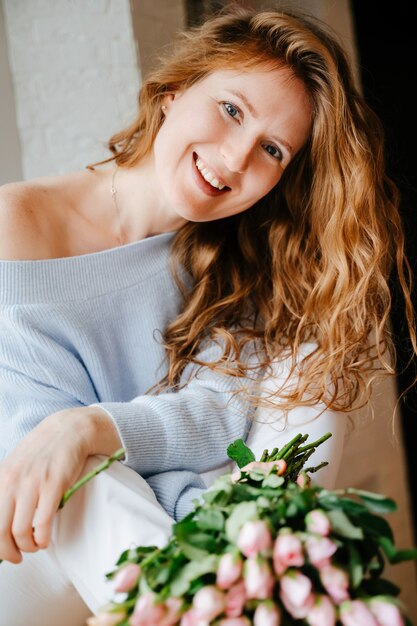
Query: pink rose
point(303, 481)
point(288, 552)
point(106, 619)
point(356, 613)
point(386, 613)
point(296, 594)
point(336, 582)
point(267, 614)
point(235, 600)
point(279, 467)
point(254, 538)
point(229, 570)
point(126, 578)
point(209, 602)
point(322, 612)
point(190, 619)
point(318, 522)
point(147, 611)
point(173, 612)
point(319, 550)
point(234, 621)
point(259, 580)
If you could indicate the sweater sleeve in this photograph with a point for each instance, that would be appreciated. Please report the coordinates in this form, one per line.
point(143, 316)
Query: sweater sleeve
point(189, 429)
point(38, 376)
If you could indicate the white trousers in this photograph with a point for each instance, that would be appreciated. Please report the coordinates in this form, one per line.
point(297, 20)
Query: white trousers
point(66, 583)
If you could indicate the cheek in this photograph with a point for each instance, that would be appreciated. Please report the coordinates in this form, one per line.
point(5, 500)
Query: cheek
point(262, 183)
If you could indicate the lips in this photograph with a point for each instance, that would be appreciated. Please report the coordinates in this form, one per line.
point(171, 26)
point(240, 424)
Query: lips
point(203, 184)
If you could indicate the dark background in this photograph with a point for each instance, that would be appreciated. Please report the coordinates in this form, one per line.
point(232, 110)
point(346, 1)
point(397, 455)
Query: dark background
point(386, 36)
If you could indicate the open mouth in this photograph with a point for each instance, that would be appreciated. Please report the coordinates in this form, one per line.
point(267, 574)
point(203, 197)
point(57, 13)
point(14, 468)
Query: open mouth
point(208, 179)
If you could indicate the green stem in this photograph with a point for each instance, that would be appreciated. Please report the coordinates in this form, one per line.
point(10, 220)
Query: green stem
point(315, 444)
point(316, 467)
point(285, 449)
point(119, 454)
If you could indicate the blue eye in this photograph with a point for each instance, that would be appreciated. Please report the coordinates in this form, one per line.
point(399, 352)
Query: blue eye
point(274, 152)
point(231, 109)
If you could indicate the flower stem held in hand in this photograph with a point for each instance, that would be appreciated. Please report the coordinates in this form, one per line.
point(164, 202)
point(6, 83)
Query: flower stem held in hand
point(119, 454)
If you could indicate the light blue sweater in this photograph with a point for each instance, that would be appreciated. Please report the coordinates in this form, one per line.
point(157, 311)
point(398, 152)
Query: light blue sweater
point(87, 330)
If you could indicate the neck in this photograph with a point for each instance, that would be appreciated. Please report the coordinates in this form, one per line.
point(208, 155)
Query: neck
point(141, 211)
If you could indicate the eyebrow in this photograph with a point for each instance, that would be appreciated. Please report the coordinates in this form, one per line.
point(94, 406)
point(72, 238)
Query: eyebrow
point(254, 113)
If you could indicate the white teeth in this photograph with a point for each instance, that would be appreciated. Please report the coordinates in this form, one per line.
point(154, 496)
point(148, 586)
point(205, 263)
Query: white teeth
point(207, 175)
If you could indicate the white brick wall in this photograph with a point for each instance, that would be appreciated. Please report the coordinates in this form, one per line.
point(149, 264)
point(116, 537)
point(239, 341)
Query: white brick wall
point(76, 79)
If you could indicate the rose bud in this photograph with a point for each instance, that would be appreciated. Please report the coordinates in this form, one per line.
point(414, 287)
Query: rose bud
point(234, 621)
point(336, 582)
point(209, 602)
point(356, 613)
point(319, 550)
point(322, 613)
point(387, 613)
point(190, 619)
point(296, 594)
point(126, 578)
point(254, 537)
point(267, 614)
point(259, 580)
point(235, 600)
point(173, 612)
point(303, 481)
point(263, 466)
point(288, 552)
point(318, 522)
point(106, 619)
point(229, 570)
point(147, 610)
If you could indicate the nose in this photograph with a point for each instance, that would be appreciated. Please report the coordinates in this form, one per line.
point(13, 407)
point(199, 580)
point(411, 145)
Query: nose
point(236, 155)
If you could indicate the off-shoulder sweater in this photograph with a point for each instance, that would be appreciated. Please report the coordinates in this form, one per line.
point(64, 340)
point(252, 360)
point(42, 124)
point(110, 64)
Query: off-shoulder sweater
point(86, 330)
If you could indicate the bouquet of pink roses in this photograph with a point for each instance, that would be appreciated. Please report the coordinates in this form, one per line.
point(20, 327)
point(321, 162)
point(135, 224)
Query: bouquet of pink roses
point(266, 546)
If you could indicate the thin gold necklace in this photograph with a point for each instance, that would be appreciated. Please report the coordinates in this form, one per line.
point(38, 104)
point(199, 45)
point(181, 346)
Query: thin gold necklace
point(113, 190)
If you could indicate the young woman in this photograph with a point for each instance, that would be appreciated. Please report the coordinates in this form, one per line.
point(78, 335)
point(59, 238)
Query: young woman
point(255, 167)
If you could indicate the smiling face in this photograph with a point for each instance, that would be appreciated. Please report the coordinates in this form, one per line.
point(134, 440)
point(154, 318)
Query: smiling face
point(227, 139)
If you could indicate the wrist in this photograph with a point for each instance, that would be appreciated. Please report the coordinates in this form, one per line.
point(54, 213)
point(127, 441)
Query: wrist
point(99, 432)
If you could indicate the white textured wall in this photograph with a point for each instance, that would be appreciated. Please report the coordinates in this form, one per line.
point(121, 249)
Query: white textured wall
point(10, 162)
point(75, 75)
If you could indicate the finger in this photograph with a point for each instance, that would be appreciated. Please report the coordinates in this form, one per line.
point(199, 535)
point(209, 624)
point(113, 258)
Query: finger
point(22, 525)
point(48, 504)
point(8, 549)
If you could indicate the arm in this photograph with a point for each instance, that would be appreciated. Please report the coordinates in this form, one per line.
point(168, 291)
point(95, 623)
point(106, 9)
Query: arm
point(39, 377)
point(42, 456)
point(189, 429)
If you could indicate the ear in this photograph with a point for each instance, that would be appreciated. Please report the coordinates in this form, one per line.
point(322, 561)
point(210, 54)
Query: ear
point(169, 99)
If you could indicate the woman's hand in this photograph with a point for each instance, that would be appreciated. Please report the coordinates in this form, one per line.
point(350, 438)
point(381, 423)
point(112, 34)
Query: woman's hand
point(34, 477)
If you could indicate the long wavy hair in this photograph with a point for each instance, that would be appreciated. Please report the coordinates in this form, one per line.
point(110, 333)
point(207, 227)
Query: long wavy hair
point(311, 261)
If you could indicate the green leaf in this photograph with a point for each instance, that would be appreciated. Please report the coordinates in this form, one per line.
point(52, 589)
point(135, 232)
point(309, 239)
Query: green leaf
point(256, 475)
point(273, 481)
point(194, 543)
point(375, 526)
point(380, 586)
point(342, 525)
point(355, 565)
point(374, 502)
point(394, 555)
point(210, 519)
point(239, 452)
point(182, 581)
point(243, 512)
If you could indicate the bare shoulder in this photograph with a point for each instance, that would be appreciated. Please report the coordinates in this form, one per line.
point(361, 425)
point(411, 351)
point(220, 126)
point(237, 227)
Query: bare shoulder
point(29, 220)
